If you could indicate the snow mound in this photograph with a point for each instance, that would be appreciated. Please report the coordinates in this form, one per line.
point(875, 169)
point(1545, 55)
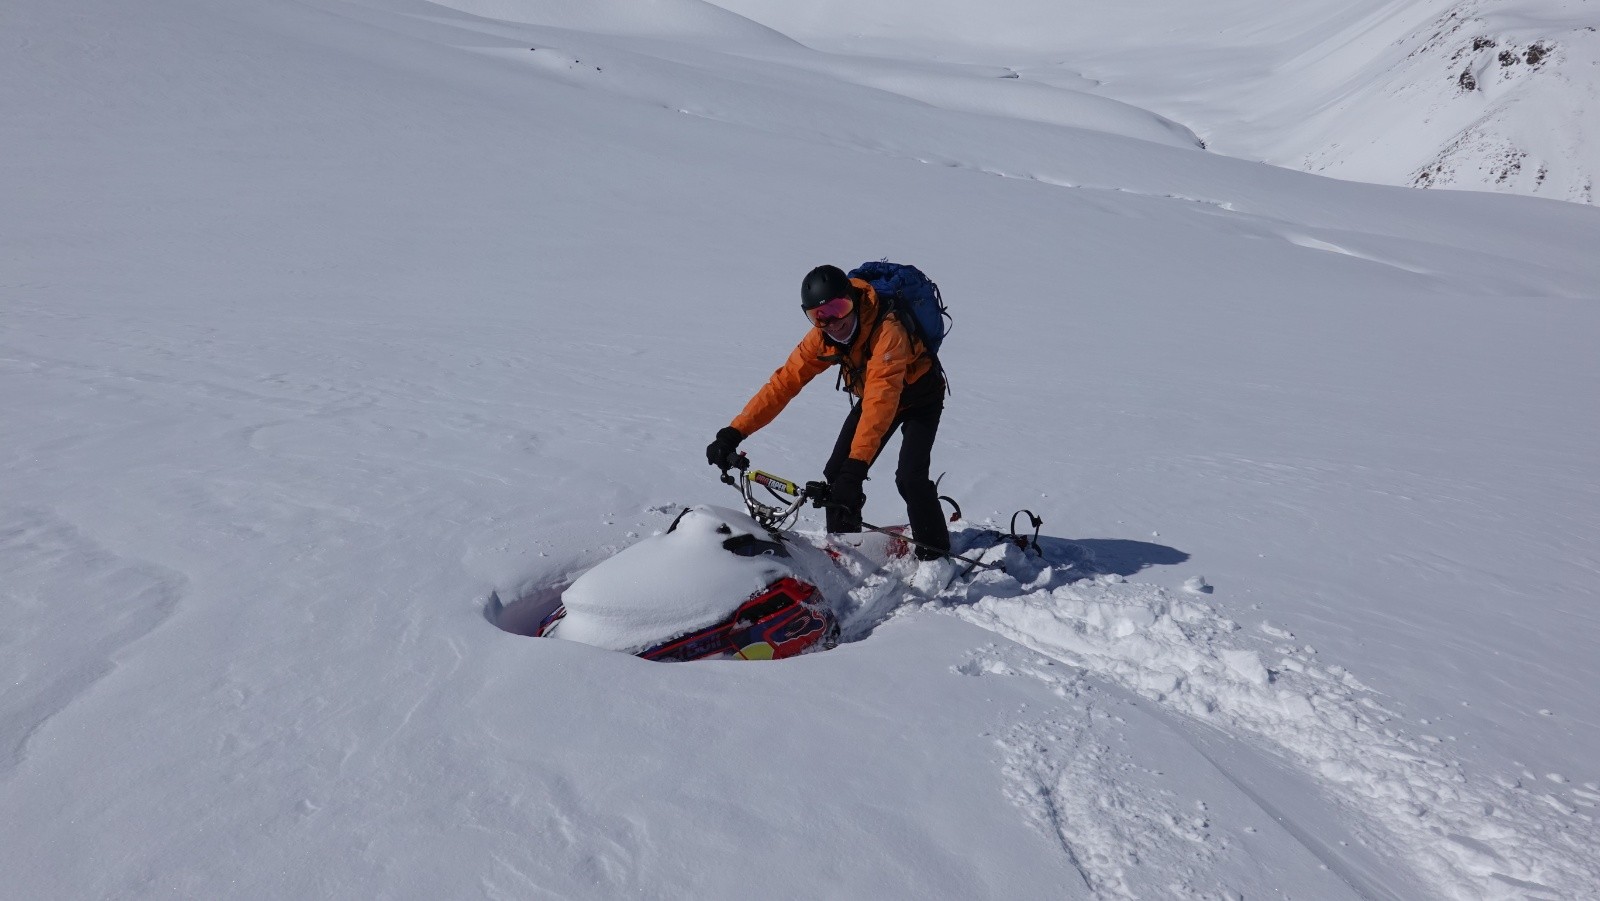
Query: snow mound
point(669, 584)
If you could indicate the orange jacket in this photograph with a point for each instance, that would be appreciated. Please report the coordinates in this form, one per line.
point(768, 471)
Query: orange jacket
point(895, 360)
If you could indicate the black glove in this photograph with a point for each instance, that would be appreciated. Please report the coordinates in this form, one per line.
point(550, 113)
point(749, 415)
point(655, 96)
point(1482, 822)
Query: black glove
point(718, 451)
point(844, 489)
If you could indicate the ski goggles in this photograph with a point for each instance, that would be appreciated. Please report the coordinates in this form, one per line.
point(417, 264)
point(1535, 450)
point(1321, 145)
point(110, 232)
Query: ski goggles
point(826, 314)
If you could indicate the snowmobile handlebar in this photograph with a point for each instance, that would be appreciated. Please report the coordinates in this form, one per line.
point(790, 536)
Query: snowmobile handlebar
point(790, 497)
point(793, 497)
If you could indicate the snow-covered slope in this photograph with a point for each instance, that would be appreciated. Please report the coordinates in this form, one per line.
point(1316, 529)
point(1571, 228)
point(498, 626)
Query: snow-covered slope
point(323, 320)
point(1500, 96)
point(1478, 95)
point(1524, 112)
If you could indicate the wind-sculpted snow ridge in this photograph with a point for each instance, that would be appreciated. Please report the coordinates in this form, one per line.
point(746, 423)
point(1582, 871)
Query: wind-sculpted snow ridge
point(51, 566)
point(682, 20)
point(1473, 835)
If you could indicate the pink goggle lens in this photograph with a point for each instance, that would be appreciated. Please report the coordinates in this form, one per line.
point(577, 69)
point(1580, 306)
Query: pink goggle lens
point(828, 313)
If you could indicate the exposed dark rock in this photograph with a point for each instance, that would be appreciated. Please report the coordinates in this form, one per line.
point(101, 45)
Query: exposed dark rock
point(1430, 175)
point(1510, 165)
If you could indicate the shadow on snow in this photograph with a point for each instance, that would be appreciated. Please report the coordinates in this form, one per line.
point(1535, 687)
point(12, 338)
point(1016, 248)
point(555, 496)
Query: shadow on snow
point(882, 595)
point(1120, 556)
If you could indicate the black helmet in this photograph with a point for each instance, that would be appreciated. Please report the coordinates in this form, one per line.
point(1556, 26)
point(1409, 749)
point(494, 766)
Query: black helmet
point(823, 284)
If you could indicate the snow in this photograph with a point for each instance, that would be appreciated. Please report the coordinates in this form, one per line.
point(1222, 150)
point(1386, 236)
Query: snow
point(1474, 94)
point(323, 321)
point(670, 584)
point(1184, 655)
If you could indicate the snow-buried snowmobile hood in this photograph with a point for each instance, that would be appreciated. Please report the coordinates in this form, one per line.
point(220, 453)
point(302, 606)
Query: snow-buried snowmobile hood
point(669, 584)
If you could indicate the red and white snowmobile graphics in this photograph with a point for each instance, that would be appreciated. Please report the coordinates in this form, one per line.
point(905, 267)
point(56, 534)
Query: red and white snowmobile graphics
point(714, 585)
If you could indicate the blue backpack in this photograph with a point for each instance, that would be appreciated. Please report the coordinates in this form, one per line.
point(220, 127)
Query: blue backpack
point(912, 295)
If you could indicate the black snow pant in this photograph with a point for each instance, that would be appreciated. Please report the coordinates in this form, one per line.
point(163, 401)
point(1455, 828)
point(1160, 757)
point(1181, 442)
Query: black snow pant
point(918, 424)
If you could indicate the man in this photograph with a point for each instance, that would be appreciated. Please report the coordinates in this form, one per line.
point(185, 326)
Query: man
point(896, 383)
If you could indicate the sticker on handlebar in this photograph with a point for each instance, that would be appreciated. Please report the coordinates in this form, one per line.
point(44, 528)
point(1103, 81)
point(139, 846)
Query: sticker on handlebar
point(773, 482)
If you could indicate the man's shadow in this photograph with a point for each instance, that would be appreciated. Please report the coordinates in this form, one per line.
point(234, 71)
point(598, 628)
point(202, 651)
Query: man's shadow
point(1102, 556)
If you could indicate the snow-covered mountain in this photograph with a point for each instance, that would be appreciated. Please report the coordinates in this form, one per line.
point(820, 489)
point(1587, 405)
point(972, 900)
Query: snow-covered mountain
point(322, 321)
point(1499, 96)
point(1476, 95)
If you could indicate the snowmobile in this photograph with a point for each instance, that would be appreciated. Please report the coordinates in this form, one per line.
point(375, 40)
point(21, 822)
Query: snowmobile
point(721, 584)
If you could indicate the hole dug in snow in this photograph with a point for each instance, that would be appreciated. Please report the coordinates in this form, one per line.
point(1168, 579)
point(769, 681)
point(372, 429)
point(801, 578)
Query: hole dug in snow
point(523, 615)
